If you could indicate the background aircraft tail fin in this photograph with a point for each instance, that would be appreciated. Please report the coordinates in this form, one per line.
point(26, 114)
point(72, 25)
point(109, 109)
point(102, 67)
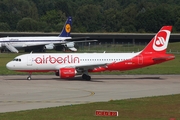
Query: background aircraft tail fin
point(160, 41)
point(67, 28)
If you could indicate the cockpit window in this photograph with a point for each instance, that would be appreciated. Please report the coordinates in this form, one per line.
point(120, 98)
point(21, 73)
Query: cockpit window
point(17, 59)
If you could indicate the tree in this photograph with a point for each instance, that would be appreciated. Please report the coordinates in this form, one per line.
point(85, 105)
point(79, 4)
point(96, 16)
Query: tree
point(152, 20)
point(10, 18)
point(27, 24)
point(63, 6)
point(23, 8)
point(53, 18)
point(111, 20)
point(4, 27)
point(106, 4)
point(13, 11)
point(177, 25)
point(127, 18)
point(88, 18)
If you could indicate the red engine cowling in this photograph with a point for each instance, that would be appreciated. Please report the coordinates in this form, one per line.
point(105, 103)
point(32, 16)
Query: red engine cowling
point(67, 72)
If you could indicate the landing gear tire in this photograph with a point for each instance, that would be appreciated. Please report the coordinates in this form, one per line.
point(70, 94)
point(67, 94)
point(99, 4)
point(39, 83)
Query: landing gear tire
point(86, 77)
point(28, 78)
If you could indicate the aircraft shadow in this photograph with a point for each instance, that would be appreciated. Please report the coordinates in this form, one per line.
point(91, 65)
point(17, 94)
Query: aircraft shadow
point(93, 79)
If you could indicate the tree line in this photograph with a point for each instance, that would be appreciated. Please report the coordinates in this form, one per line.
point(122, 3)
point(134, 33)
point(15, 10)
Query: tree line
point(89, 15)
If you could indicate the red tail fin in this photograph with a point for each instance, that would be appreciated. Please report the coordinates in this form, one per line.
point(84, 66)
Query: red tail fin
point(159, 42)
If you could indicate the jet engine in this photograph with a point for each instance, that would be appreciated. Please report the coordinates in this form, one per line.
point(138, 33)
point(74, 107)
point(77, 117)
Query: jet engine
point(49, 46)
point(2, 45)
point(66, 73)
point(70, 45)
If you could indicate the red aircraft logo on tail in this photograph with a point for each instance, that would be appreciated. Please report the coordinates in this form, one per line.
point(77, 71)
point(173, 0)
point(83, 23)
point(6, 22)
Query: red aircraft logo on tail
point(161, 40)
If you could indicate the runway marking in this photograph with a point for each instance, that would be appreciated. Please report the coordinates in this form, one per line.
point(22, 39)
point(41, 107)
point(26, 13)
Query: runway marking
point(91, 94)
point(56, 101)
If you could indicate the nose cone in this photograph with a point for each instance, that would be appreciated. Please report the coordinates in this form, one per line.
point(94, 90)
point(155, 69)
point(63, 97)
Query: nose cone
point(10, 66)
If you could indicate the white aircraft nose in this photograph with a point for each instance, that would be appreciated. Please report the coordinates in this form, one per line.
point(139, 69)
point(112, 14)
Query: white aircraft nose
point(10, 65)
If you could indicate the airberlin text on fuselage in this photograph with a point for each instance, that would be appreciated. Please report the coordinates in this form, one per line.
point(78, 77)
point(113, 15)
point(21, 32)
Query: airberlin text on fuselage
point(59, 60)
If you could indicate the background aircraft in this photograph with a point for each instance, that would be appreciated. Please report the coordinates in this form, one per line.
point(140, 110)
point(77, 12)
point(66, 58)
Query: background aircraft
point(39, 44)
point(68, 65)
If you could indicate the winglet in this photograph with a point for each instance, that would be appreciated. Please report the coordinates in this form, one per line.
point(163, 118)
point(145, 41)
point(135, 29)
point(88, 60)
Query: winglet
point(67, 28)
point(160, 41)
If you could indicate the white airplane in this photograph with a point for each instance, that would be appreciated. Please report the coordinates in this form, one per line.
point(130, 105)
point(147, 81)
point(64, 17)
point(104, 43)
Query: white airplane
point(37, 43)
point(68, 65)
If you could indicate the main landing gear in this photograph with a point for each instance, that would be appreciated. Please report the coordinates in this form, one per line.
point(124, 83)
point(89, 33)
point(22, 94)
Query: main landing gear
point(86, 77)
point(29, 77)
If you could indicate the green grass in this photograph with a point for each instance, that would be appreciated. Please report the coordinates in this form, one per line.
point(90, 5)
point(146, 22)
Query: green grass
point(149, 108)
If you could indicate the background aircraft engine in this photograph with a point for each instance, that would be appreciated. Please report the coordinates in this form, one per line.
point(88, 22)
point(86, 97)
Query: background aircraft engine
point(70, 45)
point(67, 72)
point(2, 45)
point(49, 46)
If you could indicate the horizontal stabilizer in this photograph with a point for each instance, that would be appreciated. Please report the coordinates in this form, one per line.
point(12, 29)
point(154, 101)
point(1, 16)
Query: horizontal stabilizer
point(11, 48)
point(164, 58)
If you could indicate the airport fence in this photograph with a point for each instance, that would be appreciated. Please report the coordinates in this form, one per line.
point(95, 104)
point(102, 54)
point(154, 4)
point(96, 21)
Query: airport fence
point(120, 47)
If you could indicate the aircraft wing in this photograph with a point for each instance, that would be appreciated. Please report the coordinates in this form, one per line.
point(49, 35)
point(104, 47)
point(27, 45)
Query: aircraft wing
point(85, 41)
point(84, 66)
point(11, 48)
point(90, 66)
point(77, 38)
point(69, 43)
point(80, 39)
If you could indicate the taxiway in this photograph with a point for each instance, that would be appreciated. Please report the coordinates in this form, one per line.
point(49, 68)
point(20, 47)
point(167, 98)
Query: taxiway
point(17, 93)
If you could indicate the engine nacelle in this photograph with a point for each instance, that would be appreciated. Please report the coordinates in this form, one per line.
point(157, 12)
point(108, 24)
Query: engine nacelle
point(66, 72)
point(2, 45)
point(70, 44)
point(49, 46)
